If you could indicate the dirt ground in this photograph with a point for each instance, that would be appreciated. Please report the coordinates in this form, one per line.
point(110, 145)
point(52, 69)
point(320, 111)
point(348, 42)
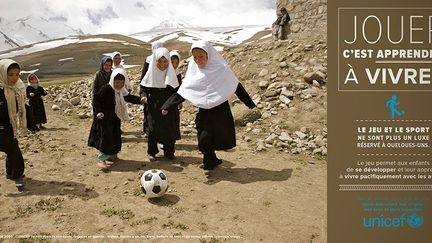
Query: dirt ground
point(252, 197)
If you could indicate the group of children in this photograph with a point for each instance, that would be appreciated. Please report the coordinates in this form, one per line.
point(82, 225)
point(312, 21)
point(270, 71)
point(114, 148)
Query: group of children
point(208, 84)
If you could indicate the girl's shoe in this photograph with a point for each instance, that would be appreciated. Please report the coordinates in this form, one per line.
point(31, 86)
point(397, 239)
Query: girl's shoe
point(20, 183)
point(152, 157)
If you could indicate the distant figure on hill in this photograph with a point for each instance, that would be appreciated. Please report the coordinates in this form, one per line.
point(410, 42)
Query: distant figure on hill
point(281, 25)
point(35, 92)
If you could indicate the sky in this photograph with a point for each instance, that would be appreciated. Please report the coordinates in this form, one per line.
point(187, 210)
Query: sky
point(132, 16)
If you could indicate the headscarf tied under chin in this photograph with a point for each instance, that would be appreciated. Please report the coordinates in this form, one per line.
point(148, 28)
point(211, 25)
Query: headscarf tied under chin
point(121, 57)
point(14, 95)
point(156, 78)
point(105, 59)
point(29, 80)
point(211, 85)
point(175, 53)
point(120, 103)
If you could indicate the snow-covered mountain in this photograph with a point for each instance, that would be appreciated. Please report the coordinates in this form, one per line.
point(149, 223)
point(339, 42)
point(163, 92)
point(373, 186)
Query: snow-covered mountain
point(32, 29)
point(220, 36)
point(172, 24)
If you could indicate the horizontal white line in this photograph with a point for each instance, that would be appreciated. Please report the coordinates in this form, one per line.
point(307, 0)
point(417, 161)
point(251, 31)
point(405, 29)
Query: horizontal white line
point(404, 62)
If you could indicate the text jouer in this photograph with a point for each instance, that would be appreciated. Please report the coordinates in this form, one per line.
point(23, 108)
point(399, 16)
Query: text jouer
point(371, 30)
point(419, 30)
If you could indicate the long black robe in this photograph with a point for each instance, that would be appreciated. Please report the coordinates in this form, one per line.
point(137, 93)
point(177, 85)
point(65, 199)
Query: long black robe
point(105, 134)
point(162, 127)
point(100, 81)
point(9, 144)
point(37, 104)
point(177, 112)
point(217, 122)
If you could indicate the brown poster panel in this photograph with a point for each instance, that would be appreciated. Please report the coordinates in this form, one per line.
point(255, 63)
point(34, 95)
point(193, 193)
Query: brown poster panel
point(380, 121)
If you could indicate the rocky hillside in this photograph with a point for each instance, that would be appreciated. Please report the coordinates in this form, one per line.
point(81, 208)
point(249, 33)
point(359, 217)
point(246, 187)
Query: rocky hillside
point(287, 80)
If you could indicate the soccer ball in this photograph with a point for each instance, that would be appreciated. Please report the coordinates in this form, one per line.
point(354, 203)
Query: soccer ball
point(154, 183)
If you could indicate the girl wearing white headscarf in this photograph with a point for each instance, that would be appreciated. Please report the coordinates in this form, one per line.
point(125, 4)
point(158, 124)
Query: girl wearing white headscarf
point(35, 92)
point(155, 45)
point(208, 84)
point(110, 110)
point(118, 63)
point(12, 119)
point(157, 86)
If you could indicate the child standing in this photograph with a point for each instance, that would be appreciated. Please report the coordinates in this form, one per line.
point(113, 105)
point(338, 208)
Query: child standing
point(154, 47)
point(208, 84)
point(103, 75)
point(12, 119)
point(35, 92)
point(109, 108)
point(157, 86)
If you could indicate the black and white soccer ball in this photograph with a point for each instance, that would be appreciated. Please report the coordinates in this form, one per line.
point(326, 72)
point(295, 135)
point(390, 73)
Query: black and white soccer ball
point(154, 183)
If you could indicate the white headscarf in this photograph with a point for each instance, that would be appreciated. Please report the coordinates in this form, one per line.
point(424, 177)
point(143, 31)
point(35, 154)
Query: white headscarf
point(127, 82)
point(29, 83)
point(14, 94)
point(212, 85)
point(175, 53)
point(156, 78)
point(120, 103)
point(121, 57)
point(154, 47)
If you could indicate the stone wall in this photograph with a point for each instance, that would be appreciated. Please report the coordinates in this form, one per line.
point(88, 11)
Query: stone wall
point(306, 15)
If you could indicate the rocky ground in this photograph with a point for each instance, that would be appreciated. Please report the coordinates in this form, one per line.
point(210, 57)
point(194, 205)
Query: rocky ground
point(271, 188)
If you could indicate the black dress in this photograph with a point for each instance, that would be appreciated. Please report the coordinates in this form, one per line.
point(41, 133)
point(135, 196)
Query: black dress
point(145, 110)
point(160, 128)
point(215, 126)
point(105, 134)
point(37, 104)
point(177, 114)
point(100, 81)
point(9, 144)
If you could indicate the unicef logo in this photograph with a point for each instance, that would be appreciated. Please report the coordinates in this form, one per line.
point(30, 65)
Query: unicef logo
point(415, 220)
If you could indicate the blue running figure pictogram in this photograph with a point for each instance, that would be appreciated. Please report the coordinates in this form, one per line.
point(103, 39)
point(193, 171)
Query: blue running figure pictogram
point(392, 104)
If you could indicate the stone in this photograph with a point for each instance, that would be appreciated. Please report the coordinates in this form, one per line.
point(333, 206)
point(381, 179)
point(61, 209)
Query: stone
point(311, 76)
point(285, 137)
point(55, 108)
point(283, 65)
point(263, 73)
point(82, 115)
point(75, 101)
point(67, 111)
point(311, 91)
point(260, 145)
point(271, 93)
point(284, 99)
point(243, 115)
point(256, 131)
point(300, 135)
point(263, 84)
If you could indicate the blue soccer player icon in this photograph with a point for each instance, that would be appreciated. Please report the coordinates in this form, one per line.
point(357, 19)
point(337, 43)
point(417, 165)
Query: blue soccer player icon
point(392, 104)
